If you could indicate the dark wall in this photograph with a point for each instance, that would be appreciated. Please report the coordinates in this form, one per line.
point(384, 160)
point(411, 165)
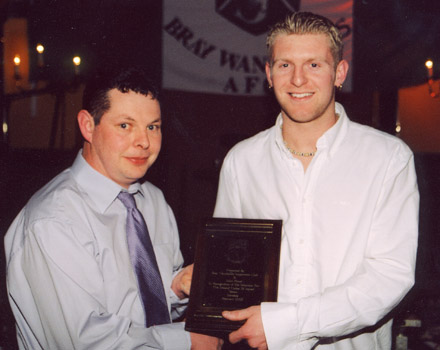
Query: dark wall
point(392, 41)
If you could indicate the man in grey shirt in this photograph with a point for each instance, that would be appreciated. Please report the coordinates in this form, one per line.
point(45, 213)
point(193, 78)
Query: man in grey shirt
point(71, 284)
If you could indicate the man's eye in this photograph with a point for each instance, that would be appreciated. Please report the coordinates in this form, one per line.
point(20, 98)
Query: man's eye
point(314, 65)
point(285, 65)
point(124, 126)
point(154, 127)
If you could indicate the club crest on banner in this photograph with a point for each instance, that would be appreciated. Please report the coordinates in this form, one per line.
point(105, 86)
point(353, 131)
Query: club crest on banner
point(255, 16)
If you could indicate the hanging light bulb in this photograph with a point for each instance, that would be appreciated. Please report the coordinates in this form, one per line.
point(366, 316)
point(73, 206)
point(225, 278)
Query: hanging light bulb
point(40, 50)
point(76, 62)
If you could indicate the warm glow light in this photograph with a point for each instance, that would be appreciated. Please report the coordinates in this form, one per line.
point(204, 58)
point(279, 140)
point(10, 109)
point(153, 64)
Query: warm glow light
point(77, 60)
point(17, 60)
point(398, 128)
point(429, 71)
point(5, 128)
point(40, 48)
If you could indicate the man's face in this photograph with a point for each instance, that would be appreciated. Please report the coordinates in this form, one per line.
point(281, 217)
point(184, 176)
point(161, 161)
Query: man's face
point(303, 76)
point(128, 138)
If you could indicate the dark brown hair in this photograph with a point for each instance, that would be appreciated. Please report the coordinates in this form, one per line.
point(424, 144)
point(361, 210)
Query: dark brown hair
point(95, 96)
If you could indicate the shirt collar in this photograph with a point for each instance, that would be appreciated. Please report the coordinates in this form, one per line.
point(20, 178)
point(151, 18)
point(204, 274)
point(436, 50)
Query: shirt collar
point(331, 139)
point(279, 136)
point(101, 190)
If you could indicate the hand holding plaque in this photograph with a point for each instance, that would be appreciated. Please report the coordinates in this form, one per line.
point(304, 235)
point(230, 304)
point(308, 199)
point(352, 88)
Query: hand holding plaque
point(236, 266)
point(182, 282)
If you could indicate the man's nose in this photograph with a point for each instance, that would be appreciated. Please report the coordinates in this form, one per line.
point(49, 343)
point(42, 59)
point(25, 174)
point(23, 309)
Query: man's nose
point(142, 140)
point(299, 77)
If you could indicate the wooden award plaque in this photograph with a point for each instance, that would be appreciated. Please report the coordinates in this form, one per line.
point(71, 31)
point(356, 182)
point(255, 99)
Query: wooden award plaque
point(236, 266)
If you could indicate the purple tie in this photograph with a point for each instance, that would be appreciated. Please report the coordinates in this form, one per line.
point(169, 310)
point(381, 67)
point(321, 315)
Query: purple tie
point(144, 263)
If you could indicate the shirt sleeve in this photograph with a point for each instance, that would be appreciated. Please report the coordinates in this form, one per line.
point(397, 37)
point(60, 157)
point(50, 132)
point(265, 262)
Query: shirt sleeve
point(228, 200)
point(380, 282)
point(178, 306)
point(66, 286)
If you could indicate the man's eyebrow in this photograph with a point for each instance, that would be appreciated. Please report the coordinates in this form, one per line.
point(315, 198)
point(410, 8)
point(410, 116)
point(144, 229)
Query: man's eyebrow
point(319, 59)
point(281, 59)
point(127, 117)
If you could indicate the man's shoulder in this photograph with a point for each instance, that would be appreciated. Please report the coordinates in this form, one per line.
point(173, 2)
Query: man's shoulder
point(47, 205)
point(51, 199)
point(377, 140)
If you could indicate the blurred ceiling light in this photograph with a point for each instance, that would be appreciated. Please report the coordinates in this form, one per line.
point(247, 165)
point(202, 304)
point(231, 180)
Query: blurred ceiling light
point(40, 48)
point(17, 60)
point(430, 71)
point(429, 64)
point(77, 60)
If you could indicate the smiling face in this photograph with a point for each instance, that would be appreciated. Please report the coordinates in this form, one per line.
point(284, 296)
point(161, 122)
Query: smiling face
point(128, 138)
point(303, 75)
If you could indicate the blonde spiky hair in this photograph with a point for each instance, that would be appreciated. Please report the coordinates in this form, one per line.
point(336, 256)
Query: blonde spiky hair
point(307, 23)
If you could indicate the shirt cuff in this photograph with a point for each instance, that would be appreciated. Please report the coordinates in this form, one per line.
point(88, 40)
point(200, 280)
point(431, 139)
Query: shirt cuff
point(281, 327)
point(174, 336)
point(280, 324)
point(178, 306)
point(174, 299)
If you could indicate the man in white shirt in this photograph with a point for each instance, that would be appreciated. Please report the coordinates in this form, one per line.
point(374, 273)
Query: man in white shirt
point(347, 196)
point(70, 279)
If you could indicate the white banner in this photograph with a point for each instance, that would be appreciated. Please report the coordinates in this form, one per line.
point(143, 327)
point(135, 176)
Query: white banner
point(219, 46)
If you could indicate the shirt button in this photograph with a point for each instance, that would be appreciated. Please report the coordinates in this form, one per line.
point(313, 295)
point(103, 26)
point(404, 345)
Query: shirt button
point(298, 281)
point(301, 241)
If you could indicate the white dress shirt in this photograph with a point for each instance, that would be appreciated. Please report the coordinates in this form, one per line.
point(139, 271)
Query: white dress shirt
point(350, 228)
point(70, 280)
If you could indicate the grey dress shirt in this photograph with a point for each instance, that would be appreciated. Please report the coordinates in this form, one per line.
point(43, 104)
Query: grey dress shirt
point(69, 277)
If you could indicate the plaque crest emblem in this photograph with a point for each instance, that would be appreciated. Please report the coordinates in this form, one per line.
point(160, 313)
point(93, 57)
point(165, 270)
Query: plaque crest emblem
point(237, 251)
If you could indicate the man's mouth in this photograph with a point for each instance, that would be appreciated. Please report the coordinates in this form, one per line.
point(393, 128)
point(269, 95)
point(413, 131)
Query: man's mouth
point(301, 95)
point(137, 160)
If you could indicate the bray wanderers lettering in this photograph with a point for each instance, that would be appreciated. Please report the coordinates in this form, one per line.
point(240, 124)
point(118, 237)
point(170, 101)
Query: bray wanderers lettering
point(183, 34)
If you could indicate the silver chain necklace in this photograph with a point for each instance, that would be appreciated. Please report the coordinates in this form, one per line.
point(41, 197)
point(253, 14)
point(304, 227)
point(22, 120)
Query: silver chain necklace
point(301, 154)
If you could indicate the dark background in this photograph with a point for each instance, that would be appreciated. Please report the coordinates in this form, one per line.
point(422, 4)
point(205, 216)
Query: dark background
point(392, 40)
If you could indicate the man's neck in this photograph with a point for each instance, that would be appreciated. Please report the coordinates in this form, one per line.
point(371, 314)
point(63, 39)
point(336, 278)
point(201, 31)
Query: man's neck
point(303, 137)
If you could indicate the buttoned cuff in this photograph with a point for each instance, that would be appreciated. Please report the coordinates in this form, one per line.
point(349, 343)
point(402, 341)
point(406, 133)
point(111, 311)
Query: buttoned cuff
point(282, 327)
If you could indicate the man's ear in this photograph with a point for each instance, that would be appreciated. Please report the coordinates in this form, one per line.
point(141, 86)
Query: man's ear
point(341, 72)
point(268, 75)
point(86, 124)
